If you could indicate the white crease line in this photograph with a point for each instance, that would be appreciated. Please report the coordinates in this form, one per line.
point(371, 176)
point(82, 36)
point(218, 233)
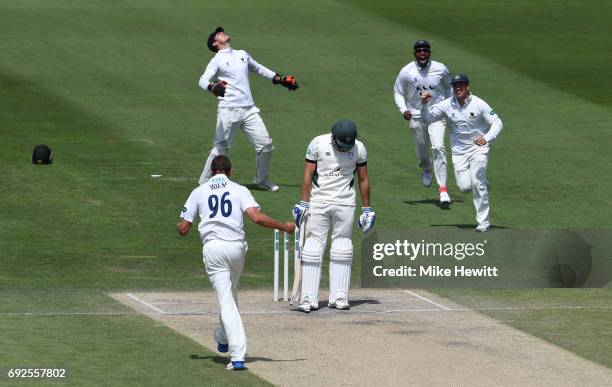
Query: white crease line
point(183, 303)
point(72, 313)
point(428, 300)
point(145, 303)
point(323, 312)
point(242, 301)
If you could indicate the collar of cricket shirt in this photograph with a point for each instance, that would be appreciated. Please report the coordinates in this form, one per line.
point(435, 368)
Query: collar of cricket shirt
point(229, 49)
point(219, 177)
point(467, 101)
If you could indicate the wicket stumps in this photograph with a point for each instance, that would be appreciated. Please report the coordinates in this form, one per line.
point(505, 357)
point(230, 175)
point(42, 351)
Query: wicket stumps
point(277, 244)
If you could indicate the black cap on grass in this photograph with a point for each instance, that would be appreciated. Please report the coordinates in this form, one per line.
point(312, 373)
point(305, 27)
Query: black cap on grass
point(42, 154)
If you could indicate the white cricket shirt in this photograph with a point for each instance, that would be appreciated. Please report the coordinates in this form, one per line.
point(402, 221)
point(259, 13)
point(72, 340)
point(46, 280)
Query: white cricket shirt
point(233, 67)
point(220, 203)
point(475, 118)
point(412, 80)
point(334, 179)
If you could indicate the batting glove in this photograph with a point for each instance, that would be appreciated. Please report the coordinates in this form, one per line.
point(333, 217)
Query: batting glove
point(366, 220)
point(287, 81)
point(299, 212)
point(218, 89)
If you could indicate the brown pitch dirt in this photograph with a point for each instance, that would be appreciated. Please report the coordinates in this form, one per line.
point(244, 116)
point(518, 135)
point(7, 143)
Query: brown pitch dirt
point(389, 337)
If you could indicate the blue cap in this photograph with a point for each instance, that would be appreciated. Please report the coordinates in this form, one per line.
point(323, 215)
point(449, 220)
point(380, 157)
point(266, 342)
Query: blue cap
point(460, 78)
point(424, 44)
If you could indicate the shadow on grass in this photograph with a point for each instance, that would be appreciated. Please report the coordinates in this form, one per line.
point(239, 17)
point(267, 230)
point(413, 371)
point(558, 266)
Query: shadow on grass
point(467, 226)
point(434, 202)
point(249, 359)
point(255, 187)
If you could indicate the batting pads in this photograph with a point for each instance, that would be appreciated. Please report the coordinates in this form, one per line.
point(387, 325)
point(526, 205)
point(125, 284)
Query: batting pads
point(312, 259)
point(340, 261)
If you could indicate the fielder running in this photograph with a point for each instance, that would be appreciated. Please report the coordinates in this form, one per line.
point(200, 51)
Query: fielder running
point(220, 204)
point(328, 200)
point(424, 75)
point(473, 126)
point(227, 77)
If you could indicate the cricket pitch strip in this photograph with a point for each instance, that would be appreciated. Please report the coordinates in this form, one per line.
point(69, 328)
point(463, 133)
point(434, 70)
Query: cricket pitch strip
point(389, 337)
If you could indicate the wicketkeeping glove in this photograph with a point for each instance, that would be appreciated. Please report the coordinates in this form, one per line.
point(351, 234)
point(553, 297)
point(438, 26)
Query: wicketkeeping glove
point(366, 220)
point(218, 89)
point(287, 81)
point(299, 212)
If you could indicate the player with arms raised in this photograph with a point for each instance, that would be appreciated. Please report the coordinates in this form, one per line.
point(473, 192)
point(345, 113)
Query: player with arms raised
point(227, 77)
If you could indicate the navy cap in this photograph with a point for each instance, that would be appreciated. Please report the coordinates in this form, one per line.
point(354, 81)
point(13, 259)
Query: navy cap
point(460, 78)
point(421, 44)
point(211, 39)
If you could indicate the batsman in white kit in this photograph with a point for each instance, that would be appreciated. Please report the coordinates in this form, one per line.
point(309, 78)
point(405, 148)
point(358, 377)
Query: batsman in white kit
point(424, 75)
point(227, 77)
point(473, 127)
point(220, 204)
point(328, 203)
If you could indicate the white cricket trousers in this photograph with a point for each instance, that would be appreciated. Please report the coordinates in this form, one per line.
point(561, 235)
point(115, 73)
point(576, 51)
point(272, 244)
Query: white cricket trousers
point(471, 175)
point(224, 261)
point(229, 120)
point(431, 136)
point(323, 217)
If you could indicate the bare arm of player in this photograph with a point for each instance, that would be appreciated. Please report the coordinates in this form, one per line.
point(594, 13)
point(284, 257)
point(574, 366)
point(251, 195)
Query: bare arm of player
point(183, 227)
point(309, 170)
point(364, 185)
point(264, 220)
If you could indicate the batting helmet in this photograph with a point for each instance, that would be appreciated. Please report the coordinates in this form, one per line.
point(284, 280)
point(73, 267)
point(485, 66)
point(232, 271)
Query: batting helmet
point(211, 39)
point(42, 154)
point(460, 78)
point(421, 44)
point(344, 133)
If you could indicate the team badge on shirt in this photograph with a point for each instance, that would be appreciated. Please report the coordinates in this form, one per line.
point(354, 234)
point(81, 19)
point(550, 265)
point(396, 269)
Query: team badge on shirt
point(472, 115)
point(350, 155)
point(243, 59)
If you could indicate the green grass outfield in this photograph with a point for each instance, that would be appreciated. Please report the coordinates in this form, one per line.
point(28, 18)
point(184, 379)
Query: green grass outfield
point(112, 88)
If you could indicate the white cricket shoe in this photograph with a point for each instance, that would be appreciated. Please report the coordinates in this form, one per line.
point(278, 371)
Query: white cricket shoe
point(445, 200)
point(304, 307)
point(482, 227)
point(267, 184)
point(340, 304)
